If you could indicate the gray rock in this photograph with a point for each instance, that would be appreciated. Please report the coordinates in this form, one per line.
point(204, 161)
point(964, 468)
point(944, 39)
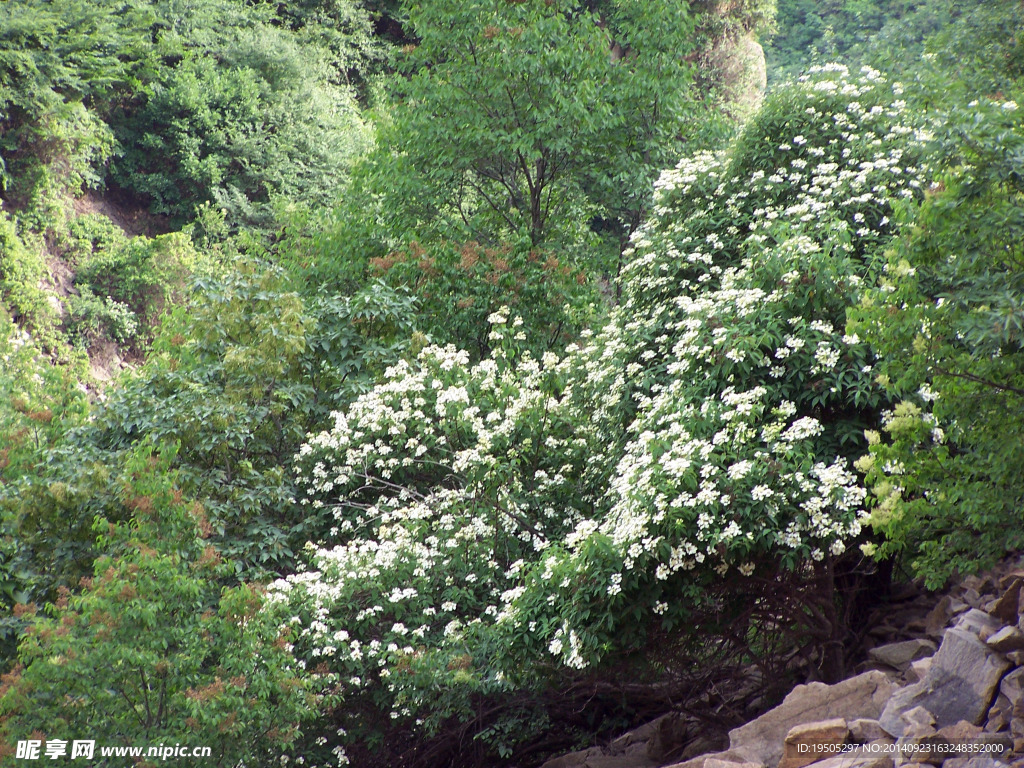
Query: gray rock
point(900, 655)
point(1006, 607)
point(1006, 639)
point(918, 669)
point(861, 696)
point(937, 619)
point(999, 714)
point(810, 742)
point(1012, 687)
point(865, 729)
point(920, 718)
point(979, 623)
point(959, 685)
point(735, 757)
point(856, 760)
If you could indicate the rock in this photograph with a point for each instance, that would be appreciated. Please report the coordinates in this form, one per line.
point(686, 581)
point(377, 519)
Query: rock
point(999, 714)
point(1006, 608)
point(979, 623)
point(1007, 579)
point(739, 66)
point(900, 655)
point(959, 685)
point(919, 718)
point(810, 742)
point(730, 758)
point(958, 606)
point(1012, 687)
point(977, 583)
point(857, 760)
point(597, 758)
point(978, 761)
point(918, 669)
point(937, 619)
point(962, 731)
point(861, 696)
point(660, 737)
point(973, 598)
point(865, 729)
point(1006, 639)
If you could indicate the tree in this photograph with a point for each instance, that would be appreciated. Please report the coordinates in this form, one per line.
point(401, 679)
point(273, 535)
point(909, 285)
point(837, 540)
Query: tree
point(517, 119)
point(522, 527)
point(151, 646)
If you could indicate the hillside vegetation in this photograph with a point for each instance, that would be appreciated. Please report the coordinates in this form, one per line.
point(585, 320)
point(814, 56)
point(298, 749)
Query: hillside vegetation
point(454, 383)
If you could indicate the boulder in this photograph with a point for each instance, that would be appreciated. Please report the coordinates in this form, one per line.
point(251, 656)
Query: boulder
point(1012, 687)
point(900, 655)
point(937, 619)
point(730, 758)
point(978, 761)
point(1006, 639)
point(959, 685)
point(962, 731)
point(865, 729)
point(918, 669)
point(810, 742)
point(979, 623)
point(857, 760)
point(596, 757)
point(999, 714)
point(1006, 607)
point(861, 696)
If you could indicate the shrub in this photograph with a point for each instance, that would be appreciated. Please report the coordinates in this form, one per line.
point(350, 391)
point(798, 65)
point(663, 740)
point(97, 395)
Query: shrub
point(259, 121)
point(151, 645)
point(948, 321)
point(489, 528)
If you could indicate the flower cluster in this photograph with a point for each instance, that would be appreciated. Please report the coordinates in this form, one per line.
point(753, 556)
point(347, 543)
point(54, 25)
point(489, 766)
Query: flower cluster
point(476, 517)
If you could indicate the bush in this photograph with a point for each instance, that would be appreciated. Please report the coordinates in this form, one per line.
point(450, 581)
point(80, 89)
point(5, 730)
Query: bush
point(948, 321)
point(124, 289)
point(151, 646)
point(489, 530)
point(259, 121)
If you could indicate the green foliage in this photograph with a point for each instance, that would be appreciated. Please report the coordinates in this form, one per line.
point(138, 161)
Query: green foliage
point(55, 59)
point(260, 121)
point(39, 403)
point(459, 287)
point(949, 324)
point(963, 44)
point(22, 269)
point(807, 31)
point(222, 102)
point(957, 50)
point(237, 378)
point(506, 528)
point(516, 120)
point(124, 289)
point(151, 644)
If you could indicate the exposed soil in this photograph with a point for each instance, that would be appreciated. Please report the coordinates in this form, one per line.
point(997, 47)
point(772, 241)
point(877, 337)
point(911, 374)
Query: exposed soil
point(124, 210)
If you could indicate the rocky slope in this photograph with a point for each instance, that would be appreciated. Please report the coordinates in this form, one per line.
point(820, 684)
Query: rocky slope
point(944, 687)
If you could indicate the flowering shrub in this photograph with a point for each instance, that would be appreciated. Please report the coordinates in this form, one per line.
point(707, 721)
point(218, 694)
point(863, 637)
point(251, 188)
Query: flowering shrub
point(487, 526)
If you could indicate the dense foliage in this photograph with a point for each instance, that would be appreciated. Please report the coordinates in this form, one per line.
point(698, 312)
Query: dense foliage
point(486, 525)
point(949, 321)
